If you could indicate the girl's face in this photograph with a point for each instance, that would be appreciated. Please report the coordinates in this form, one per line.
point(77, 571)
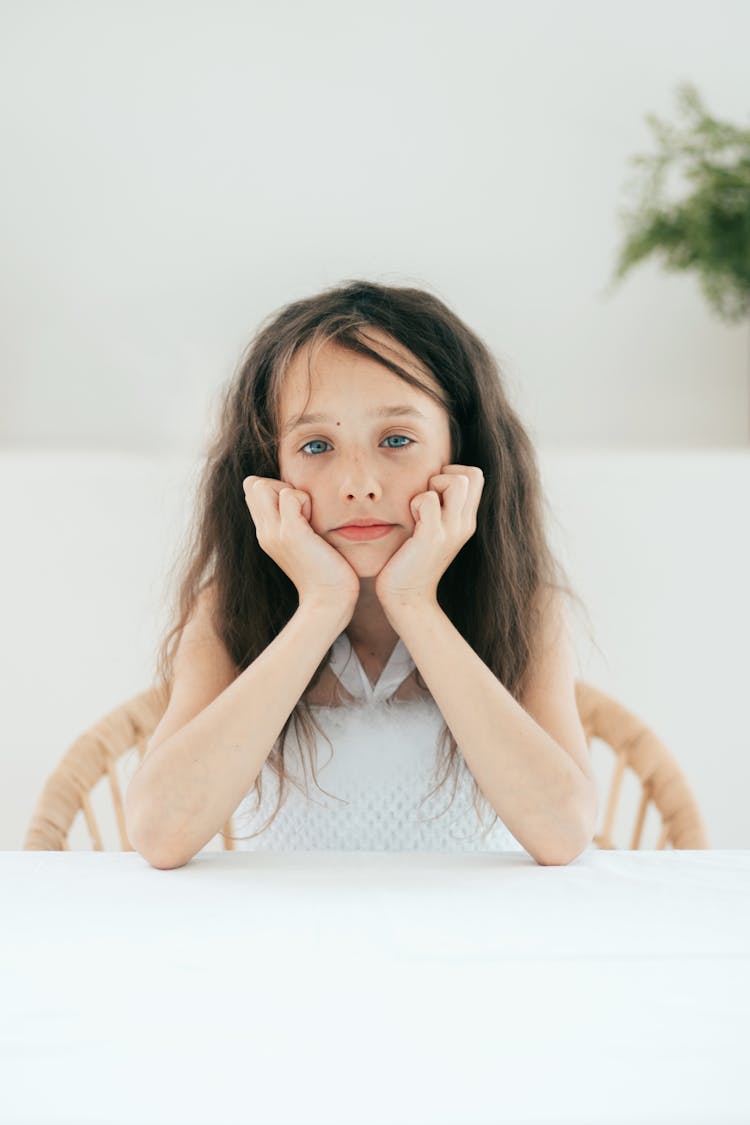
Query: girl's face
point(361, 463)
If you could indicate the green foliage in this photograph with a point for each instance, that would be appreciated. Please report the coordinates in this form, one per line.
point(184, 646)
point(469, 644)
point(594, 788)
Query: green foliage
point(709, 230)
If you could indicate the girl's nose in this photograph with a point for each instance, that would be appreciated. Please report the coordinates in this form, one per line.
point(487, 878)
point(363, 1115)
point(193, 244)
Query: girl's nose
point(360, 480)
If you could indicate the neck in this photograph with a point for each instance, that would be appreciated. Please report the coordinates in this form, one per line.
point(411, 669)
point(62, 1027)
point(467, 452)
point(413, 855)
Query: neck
point(369, 628)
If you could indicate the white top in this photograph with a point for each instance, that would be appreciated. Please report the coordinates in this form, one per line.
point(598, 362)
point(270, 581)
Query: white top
point(385, 754)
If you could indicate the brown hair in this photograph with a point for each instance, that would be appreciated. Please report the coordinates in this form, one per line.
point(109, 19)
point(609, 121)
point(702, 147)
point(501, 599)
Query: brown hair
point(491, 589)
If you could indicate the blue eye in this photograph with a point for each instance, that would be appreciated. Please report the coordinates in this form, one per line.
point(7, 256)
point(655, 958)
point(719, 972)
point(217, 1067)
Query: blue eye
point(320, 441)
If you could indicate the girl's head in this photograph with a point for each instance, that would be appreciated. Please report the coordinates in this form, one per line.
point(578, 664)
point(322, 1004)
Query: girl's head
point(360, 440)
point(351, 350)
point(346, 353)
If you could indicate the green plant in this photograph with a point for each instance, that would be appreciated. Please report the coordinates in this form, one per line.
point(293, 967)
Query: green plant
point(709, 230)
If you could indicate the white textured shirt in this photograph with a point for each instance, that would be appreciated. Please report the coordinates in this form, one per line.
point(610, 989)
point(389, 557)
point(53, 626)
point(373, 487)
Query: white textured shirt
point(385, 754)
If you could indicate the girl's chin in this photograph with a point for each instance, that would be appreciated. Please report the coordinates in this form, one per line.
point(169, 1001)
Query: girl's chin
point(367, 566)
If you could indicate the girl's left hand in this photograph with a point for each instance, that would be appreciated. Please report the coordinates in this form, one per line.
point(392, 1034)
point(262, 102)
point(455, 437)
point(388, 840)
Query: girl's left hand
point(446, 518)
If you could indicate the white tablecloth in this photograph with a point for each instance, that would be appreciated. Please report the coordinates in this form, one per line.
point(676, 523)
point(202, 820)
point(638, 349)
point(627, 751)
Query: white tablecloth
point(375, 987)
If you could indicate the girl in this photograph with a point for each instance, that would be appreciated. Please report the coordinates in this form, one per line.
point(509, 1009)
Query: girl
point(369, 565)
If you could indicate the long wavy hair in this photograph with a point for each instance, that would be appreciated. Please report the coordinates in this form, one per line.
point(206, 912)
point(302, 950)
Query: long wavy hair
point(491, 589)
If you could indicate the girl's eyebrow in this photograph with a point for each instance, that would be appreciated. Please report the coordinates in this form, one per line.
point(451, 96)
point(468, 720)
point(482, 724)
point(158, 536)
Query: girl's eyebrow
point(379, 412)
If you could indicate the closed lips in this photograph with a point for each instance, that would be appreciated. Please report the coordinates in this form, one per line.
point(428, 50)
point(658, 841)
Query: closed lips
point(375, 523)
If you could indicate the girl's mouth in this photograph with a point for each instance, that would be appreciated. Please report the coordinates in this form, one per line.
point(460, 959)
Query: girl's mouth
point(375, 531)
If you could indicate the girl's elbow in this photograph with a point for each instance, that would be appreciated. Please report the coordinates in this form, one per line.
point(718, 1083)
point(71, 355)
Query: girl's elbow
point(163, 862)
point(154, 851)
point(559, 853)
point(558, 857)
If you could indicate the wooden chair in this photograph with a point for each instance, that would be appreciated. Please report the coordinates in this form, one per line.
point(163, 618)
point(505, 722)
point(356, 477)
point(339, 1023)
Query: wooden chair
point(94, 754)
point(662, 782)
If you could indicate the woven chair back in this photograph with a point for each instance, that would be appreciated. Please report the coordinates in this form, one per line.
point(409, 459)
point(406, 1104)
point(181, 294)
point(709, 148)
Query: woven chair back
point(663, 785)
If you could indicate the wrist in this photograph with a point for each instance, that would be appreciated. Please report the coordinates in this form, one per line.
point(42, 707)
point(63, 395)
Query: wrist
point(337, 612)
point(401, 605)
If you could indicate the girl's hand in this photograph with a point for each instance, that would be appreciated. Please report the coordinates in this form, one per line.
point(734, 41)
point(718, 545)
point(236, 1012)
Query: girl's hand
point(446, 518)
point(281, 515)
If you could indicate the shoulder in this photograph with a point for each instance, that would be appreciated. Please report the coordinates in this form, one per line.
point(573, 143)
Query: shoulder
point(200, 620)
point(202, 669)
point(552, 655)
point(201, 634)
point(549, 685)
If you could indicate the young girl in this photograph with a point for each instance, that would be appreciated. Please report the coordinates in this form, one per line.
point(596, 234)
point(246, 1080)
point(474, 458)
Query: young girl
point(369, 567)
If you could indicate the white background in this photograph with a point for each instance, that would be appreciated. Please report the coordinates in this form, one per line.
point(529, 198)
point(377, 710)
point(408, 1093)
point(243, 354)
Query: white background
point(172, 172)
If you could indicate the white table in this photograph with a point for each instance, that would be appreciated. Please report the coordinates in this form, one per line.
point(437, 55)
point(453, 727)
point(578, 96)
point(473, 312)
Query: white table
point(375, 987)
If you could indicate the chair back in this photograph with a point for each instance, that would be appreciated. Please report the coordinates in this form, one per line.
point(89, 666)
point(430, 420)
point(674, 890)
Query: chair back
point(662, 782)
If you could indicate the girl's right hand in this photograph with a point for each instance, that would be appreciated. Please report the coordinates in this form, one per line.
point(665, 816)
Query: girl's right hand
point(281, 515)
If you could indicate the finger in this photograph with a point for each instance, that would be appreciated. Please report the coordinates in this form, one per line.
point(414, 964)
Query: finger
point(449, 472)
point(256, 486)
point(255, 489)
point(251, 493)
point(472, 473)
point(467, 470)
point(426, 506)
point(455, 491)
point(433, 507)
point(296, 501)
point(288, 501)
point(263, 499)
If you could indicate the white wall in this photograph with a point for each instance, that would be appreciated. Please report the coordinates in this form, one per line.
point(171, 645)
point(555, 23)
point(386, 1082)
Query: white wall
point(173, 172)
point(656, 544)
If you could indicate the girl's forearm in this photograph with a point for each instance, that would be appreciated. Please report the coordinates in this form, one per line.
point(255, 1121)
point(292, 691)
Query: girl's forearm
point(532, 783)
point(188, 786)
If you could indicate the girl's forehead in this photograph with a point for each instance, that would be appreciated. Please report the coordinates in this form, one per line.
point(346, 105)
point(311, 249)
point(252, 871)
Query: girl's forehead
point(314, 369)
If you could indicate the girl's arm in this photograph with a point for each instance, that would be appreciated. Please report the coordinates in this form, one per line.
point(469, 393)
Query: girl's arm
point(191, 780)
point(538, 778)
